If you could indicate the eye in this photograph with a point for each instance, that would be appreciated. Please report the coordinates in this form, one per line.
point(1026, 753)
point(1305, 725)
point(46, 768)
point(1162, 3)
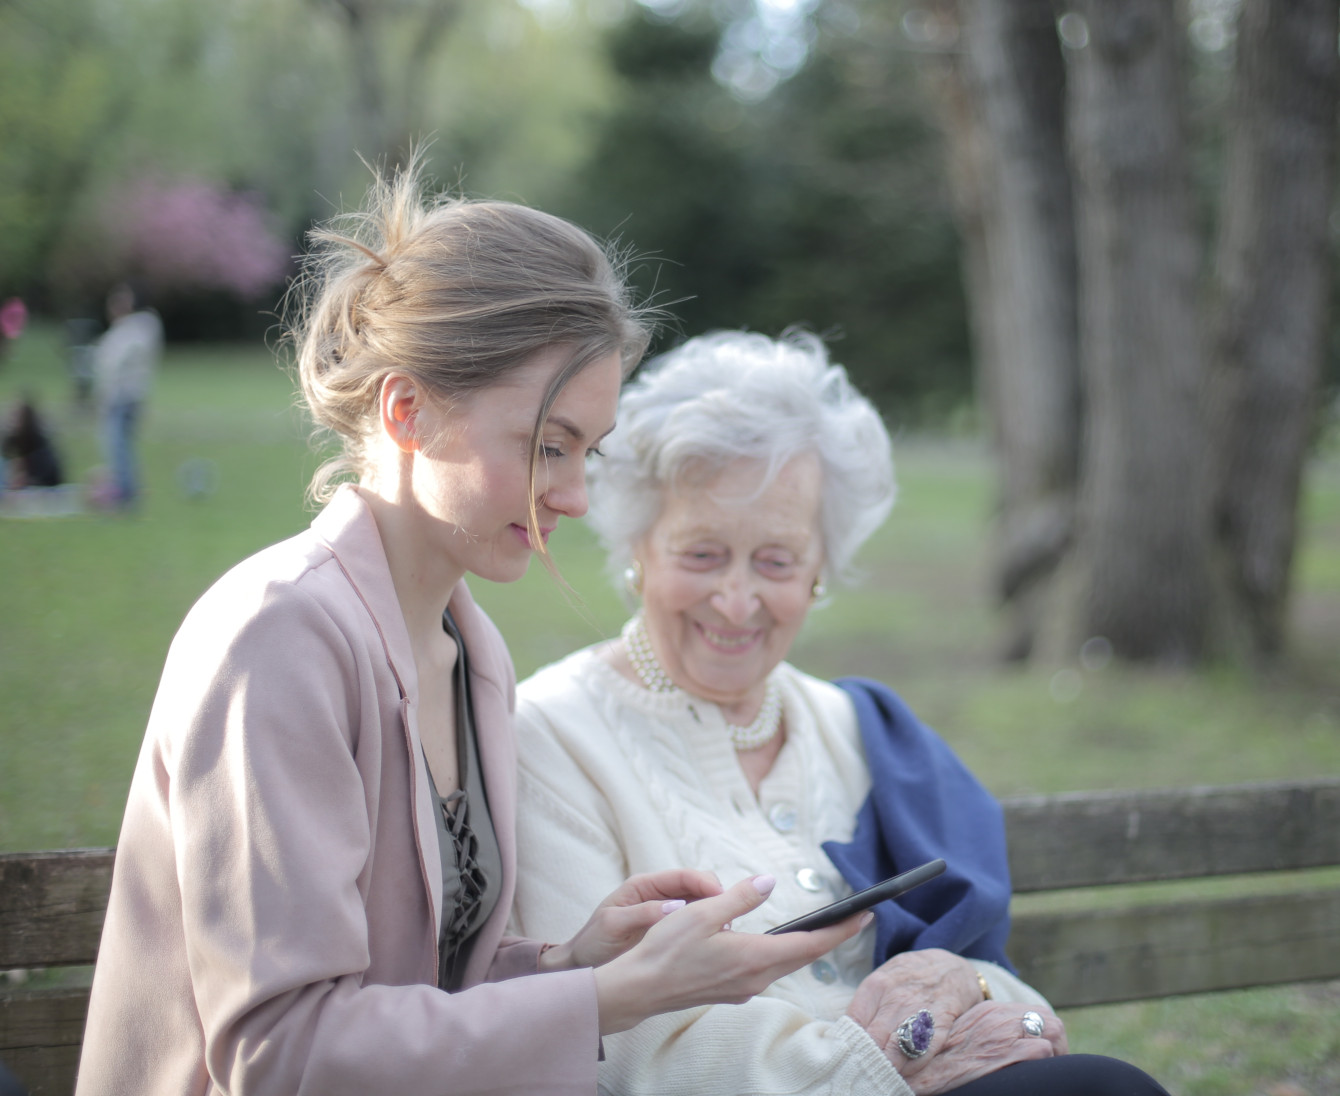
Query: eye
point(776, 566)
point(701, 559)
point(551, 452)
point(595, 451)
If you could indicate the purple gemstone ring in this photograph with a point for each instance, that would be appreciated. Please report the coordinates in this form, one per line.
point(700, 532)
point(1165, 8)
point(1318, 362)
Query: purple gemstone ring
point(915, 1034)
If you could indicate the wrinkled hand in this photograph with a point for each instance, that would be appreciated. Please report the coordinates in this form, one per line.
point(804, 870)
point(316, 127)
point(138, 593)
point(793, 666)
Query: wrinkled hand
point(985, 1038)
point(688, 958)
point(939, 981)
point(623, 918)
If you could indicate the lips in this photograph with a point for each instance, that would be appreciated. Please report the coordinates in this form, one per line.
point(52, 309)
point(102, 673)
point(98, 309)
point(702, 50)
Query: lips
point(524, 534)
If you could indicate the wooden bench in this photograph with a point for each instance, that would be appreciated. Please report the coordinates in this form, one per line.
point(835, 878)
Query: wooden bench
point(1076, 938)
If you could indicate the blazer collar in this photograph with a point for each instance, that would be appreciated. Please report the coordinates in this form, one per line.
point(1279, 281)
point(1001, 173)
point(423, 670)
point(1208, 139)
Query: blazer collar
point(349, 530)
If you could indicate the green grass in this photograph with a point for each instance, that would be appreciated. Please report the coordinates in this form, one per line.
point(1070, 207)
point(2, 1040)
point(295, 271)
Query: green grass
point(89, 604)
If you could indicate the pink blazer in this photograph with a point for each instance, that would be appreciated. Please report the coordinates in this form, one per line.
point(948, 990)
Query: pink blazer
point(274, 912)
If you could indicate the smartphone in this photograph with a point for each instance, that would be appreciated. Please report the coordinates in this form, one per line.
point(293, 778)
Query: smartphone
point(862, 900)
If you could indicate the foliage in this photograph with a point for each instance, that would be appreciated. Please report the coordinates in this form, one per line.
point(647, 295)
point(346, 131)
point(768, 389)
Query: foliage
point(819, 205)
point(263, 97)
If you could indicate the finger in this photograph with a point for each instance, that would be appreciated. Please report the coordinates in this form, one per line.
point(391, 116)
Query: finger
point(632, 922)
point(669, 884)
point(746, 895)
point(793, 950)
point(1053, 1033)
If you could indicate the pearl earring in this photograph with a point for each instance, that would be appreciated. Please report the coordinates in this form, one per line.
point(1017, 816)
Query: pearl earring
point(818, 590)
point(632, 578)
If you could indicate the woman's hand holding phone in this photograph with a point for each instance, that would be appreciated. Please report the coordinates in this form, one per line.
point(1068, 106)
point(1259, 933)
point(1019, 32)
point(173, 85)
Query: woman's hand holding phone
point(689, 958)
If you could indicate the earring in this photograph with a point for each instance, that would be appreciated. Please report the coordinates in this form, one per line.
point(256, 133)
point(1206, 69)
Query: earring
point(818, 590)
point(632, 578)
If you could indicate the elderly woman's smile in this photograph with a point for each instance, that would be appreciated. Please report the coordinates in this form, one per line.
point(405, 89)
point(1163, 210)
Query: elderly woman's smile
point(728, 572)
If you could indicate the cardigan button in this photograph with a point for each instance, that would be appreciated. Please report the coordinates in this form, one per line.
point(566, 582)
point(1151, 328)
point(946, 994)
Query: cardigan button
point(783, 817)
point(810, 880)
point(824, 971)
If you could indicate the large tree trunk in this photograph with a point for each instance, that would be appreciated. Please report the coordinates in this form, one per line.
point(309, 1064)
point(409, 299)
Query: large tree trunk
point(1273, 282)
point(1143, 549)
point(1026, 299)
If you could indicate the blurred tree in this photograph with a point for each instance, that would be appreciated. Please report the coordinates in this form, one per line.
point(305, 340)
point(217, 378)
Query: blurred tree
point(817, 203)
point(391, 43)
point(59, 96)
point(1002, 100)
point(1273, 284)
point(1194, 423)
point(1144, 529)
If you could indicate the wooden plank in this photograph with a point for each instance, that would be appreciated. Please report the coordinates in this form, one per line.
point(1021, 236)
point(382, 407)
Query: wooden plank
point(40, 1034)
point(52, 906)
point(1086, 838)
point(1097, 956)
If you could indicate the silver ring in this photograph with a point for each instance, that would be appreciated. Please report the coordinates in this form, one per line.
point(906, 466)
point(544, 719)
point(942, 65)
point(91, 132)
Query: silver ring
point(1032, 1023)
point(915, 1034)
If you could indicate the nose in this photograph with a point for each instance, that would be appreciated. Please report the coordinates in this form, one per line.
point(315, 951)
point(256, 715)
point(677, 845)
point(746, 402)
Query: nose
point(735, 597)
point(565, 492)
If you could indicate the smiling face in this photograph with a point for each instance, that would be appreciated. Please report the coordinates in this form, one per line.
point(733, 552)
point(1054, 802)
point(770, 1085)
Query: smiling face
point(727, 578)
point(471, 481)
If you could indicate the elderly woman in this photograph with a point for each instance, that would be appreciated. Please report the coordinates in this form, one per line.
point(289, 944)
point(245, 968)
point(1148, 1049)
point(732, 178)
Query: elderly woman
point(743, 476)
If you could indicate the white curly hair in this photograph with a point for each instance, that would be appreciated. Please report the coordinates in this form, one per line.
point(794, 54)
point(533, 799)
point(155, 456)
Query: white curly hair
point(734, 395)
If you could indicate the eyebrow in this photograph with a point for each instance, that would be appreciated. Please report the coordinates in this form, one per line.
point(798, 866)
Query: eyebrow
point(572, 430)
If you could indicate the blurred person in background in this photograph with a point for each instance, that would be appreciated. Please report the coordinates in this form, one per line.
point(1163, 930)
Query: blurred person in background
point(125, 359)
point(30, 455)
point(744, 474)
point(318, 854)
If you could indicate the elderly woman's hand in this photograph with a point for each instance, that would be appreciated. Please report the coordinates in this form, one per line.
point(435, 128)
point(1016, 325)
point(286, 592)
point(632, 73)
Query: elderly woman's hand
point(987, 1037)
point(972, 1037)
point(942, 983)
point(623, 918)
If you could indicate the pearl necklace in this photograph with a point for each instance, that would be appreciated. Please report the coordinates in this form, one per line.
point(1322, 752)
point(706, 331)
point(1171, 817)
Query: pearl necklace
point(751, 736)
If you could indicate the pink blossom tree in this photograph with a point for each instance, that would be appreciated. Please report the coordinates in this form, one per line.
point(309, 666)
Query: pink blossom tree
point(189, 235)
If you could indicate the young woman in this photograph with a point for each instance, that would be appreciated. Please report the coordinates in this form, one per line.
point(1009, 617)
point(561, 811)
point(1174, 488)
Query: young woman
point(318, 853)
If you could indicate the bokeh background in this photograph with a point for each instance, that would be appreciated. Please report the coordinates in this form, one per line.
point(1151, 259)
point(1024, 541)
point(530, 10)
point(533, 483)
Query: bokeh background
point(1080, 254)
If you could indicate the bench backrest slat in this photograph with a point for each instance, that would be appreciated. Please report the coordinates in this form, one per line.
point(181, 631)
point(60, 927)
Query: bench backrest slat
point(1090, 838)
point(40, 1035)
point(52, 905)
point(1093, 957)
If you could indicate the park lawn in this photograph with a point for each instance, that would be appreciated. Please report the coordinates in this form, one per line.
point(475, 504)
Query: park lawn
point(89, 604)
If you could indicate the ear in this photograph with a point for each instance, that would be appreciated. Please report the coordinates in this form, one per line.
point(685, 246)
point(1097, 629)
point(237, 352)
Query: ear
point(400, 402)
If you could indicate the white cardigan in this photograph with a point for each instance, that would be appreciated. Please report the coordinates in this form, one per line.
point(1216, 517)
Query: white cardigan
point(616, 780)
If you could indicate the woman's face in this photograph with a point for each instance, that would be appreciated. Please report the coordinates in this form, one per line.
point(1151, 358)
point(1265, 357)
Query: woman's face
point(727, 577)
point(472, 478)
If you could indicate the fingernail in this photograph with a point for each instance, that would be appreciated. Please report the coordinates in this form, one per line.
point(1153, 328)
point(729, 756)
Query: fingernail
point(866, 918)
point(672, 905)
point(764, 884)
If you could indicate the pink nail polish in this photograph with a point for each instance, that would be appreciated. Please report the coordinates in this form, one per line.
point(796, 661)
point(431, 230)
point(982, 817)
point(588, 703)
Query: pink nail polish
point(672, 905)
point(764, 884)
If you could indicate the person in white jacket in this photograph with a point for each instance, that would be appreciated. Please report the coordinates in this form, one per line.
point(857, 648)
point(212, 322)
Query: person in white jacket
point(125, 360)
point(742, 477)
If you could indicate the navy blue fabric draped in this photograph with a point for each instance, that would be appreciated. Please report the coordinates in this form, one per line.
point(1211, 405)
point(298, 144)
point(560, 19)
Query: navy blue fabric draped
point(923, 804)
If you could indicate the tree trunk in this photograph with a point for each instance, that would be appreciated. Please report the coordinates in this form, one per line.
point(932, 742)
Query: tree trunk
point(1272, 275)
point(1143, 548)
point(1027, 298)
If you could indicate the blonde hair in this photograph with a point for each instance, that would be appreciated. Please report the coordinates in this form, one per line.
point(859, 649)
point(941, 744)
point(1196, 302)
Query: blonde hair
point(454, 293)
